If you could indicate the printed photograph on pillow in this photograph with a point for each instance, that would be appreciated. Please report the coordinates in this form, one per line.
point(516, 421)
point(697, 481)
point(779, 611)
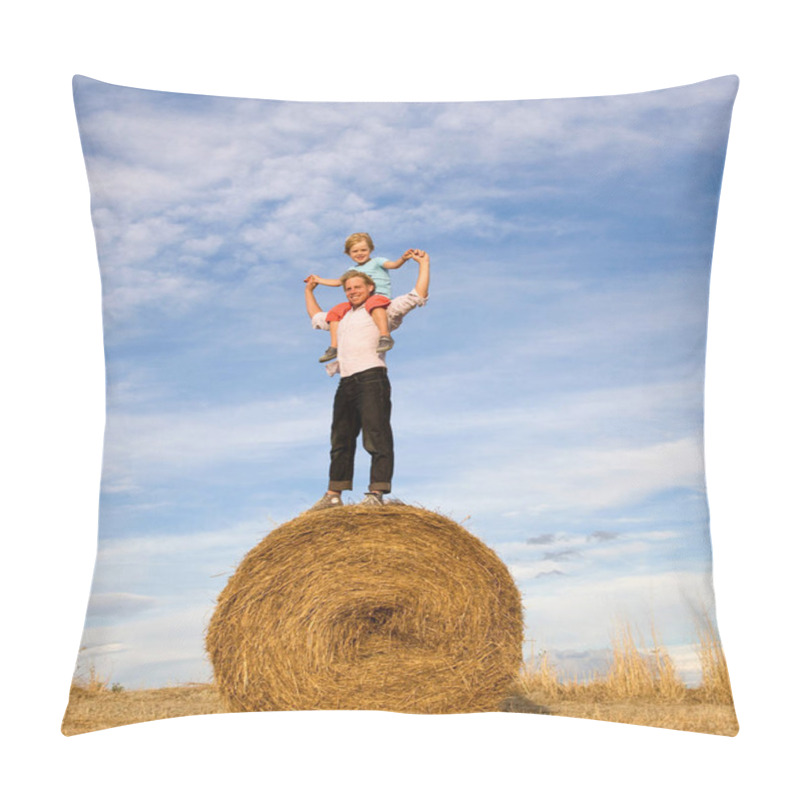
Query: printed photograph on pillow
point(404, 407)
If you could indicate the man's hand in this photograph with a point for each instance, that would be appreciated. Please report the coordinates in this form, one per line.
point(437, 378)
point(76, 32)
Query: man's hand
point(423, 279)
point(312, 306)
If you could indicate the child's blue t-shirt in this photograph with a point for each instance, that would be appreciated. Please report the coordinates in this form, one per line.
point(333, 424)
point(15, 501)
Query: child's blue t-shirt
point(375, 269)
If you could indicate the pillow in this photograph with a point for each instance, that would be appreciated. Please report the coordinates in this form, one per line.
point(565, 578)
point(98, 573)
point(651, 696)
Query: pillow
point(529, 530)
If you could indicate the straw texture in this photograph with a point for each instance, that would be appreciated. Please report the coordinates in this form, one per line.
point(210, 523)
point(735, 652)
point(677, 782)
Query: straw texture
point(394, 608)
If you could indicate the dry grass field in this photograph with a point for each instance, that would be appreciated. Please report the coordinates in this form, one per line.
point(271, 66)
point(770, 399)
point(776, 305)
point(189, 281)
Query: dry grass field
point(640, 687)
point(95, 707)
point(100, 708)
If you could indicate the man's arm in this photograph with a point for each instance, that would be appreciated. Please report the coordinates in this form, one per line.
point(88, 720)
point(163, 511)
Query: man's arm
point(424, 276)
point(312, 306)
point(401, 305)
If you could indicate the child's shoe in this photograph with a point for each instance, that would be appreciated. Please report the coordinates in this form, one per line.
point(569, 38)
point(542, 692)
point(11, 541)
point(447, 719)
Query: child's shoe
point(385, 343)
point(329, 355)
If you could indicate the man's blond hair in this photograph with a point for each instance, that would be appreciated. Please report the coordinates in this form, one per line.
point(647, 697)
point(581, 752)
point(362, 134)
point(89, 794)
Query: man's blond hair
point(354, 273)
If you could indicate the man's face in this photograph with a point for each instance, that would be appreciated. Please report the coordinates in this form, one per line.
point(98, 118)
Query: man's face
point(357, 291)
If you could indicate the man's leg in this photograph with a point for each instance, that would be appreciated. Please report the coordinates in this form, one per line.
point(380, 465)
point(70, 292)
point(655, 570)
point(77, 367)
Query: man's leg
point(345, 428)
point(375, 405)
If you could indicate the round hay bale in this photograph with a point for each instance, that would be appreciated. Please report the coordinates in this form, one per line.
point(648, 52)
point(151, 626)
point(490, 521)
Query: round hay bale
point(393, 608)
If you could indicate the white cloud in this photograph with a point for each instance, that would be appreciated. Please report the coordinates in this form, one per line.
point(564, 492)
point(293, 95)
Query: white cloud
point(142, 548)
point(488, 478)
point(118, 603)
point(135, 289)
point(600, 548)
point(204, 245)
point(139, 447)
point(586, 612)
point(592, 449)
point(90, 651)
point(286, 178)
point(152, 652)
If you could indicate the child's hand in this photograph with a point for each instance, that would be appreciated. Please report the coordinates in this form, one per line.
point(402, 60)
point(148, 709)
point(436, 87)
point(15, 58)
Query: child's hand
point(312, 281)
point(408, 254)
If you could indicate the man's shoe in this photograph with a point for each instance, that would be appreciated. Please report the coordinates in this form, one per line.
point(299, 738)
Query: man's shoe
point(328, 355)
point(372, 499)
point(327, 501)
point(385, 343)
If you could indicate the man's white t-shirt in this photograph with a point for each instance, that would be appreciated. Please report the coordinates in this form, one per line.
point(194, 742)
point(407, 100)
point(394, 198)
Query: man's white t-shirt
point(358, 335)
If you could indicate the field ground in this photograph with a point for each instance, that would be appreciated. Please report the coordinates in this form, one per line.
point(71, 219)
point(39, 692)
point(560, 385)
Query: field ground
point(97, 708)
point(692, 713)
point(640, 687)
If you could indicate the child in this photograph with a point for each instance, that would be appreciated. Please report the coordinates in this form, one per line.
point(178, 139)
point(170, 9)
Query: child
point(359, 247)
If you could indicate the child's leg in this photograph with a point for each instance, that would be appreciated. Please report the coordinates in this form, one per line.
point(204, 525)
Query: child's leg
point(381, 319)
point(331, 352)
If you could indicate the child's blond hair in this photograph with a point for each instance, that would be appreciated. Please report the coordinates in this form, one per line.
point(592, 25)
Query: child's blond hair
point(358, 237)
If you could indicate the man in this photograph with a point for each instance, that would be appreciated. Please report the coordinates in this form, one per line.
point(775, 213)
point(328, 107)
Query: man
point(363, 397)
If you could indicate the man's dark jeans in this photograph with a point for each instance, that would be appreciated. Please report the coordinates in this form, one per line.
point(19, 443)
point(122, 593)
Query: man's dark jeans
point(363, 402)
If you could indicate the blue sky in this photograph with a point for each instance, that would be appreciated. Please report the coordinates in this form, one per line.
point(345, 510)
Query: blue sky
point(549, 396)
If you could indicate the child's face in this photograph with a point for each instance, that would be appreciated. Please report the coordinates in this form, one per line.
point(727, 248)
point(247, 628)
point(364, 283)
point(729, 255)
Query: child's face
point(360, 252)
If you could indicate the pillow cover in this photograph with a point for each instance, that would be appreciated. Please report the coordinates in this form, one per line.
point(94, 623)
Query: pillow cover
point(542, 544)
